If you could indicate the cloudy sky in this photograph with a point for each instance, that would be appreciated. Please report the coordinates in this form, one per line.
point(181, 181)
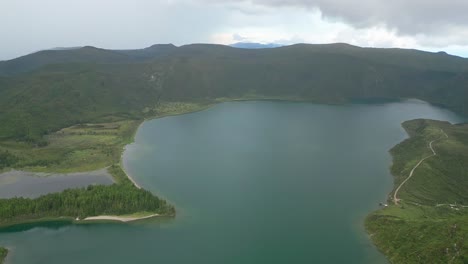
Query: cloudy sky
point(30, 25)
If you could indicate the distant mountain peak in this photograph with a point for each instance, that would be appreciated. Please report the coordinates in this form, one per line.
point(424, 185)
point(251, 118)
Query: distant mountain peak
point(168, 45)
point(91, 48)
point(66, 48)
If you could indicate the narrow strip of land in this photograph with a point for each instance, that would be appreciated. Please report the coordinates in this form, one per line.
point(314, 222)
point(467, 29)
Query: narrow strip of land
point(132, 180)
point(395, 195)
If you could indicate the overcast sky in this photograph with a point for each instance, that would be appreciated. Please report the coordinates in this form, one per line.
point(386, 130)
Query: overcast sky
point(30, 25)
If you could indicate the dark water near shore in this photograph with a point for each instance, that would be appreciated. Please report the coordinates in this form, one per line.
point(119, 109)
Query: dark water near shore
point(253, 182)
point(30, 184)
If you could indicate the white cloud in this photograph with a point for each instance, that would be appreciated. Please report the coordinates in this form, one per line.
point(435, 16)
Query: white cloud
point(27, 26)
point(291, 23)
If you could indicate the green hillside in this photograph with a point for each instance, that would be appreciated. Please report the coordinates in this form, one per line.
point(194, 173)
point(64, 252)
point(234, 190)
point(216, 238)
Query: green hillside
point(36, 60)
point(86, 54)
point(430, 223)
point(75, 109)
point(90, 88)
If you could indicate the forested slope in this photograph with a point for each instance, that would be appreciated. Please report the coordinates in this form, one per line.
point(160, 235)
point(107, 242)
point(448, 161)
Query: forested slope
point(70, 88)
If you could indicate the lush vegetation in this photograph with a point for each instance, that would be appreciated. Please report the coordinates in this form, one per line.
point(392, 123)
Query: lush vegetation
point(74, 110)
point(3, 254)
point(82, 147)
point(430, 223)
point(7, 159)
point(122, 198)
point(68, 87)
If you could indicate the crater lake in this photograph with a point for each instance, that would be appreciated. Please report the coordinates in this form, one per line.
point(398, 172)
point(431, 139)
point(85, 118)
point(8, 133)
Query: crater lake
point(252, 182)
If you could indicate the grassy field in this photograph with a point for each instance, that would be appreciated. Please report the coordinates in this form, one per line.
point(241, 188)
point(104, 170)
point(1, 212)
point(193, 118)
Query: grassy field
point(86, 147)
point(430, 223)
point(79, 148)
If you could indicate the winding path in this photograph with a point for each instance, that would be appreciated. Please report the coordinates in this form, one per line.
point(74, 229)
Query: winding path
point(395, 198)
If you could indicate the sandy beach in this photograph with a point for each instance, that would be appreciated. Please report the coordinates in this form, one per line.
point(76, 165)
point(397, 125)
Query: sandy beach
point(123, 167)
point(118, 218)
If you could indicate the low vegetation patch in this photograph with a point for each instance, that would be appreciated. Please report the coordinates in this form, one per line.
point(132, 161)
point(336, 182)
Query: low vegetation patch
point(83, 147)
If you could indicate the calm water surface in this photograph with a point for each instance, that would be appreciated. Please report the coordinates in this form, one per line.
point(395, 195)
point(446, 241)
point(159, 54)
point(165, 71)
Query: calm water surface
point(253, 182)
point(31, 184)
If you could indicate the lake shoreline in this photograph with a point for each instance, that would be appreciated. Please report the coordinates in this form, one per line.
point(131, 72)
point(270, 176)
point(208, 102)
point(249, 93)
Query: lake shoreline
point(371, 235)
point(116, 218)
point(104, 218)
point(88, 220)
point(414, 215)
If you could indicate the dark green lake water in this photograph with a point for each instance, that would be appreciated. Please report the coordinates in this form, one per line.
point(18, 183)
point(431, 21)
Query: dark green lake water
point(253, 182)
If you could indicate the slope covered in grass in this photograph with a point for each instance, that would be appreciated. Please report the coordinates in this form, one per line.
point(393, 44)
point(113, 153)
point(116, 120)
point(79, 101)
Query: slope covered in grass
point(430, 223)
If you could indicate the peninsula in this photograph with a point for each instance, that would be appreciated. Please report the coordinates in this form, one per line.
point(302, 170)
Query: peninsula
point(427, 217)
point(75, 110)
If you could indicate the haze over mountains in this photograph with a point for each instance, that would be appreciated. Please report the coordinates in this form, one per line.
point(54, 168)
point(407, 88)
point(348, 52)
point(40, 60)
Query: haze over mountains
point(48, 90)
point(253, 45)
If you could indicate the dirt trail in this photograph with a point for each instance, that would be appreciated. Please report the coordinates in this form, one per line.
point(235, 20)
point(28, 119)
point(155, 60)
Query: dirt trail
point(395, 195)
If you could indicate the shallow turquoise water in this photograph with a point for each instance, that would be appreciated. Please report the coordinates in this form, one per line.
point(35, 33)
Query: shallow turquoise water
point(253, 182)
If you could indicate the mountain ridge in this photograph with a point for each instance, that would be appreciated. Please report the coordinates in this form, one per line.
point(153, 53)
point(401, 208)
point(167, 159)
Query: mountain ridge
point(74, 86)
